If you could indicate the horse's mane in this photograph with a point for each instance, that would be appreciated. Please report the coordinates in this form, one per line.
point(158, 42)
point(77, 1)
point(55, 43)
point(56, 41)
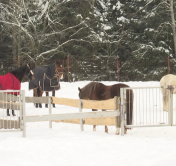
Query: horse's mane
point(89, 88)
point(18, 70)
point(50, 70)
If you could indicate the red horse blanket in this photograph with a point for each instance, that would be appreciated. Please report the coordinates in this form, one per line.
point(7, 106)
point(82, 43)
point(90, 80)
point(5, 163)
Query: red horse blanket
point(10, 82)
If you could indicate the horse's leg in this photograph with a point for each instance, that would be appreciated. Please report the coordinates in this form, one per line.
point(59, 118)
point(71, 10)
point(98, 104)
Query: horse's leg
point(106, 128)
point(117, 131)
point(47, 94)
point(35, 94)
point(165, 102)
point(13, 113)
point(165, 99)
point(94, 126)
point(117, 125)
point(39, 93)
point(8, 112)
point(125, 131)
point(53, 94)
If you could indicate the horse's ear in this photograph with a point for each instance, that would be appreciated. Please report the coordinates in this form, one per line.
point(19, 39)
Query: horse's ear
point(30, 65)
point(58, 62)
point(79, 89)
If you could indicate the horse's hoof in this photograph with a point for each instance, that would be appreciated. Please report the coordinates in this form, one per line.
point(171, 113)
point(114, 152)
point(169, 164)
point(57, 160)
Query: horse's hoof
point(106, 129)
point(8, 114)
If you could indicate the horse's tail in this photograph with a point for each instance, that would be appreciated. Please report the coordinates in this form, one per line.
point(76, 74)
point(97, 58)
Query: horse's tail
point(37, 92)
point(129, 106)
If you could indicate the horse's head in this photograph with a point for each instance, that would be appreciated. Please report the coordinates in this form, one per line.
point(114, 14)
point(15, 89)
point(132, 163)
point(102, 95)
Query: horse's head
point(86, 92)
point(29, 73)
point(59, 69)
point(79, 92)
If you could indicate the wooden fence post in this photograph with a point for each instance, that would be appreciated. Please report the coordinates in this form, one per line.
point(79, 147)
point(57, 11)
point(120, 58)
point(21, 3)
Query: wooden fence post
point(122, 117)
point(50, 111)
point(68, 66)
point(168, 63)
point(117, 119)
point(118, 70)
point(18, 61)
point(23, 112)
point(80, 110)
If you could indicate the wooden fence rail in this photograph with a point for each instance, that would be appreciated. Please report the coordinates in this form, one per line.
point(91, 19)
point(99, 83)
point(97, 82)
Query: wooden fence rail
point(9, 105)
point(44, 100)
point(12, 102)
point(8, 97)
point(111, 104)
point(87, 104)
point(79, 115)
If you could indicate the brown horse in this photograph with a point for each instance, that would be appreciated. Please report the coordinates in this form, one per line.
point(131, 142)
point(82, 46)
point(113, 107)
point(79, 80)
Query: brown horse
point(46, 79)
point(99, 91)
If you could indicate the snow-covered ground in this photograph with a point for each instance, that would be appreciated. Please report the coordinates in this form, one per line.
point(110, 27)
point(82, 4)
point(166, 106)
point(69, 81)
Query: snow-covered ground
point(66, 145)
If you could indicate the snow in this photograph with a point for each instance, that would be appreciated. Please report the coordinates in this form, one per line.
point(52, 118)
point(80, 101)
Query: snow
point(118, 5)
point(66, 145)
point(123, 19)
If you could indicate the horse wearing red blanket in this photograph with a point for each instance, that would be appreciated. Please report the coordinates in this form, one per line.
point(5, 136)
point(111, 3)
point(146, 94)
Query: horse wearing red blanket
point(12, 80)
point(9, 81)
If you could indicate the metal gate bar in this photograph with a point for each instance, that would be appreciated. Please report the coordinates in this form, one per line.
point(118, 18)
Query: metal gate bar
point(147, 107)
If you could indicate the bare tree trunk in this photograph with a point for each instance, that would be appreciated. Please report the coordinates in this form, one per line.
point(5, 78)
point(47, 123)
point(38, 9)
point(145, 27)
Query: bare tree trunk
point(173, 25)
point(14, 45)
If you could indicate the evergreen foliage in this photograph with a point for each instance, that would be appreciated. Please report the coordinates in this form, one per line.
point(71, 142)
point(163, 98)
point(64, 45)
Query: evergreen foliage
point(93, 33)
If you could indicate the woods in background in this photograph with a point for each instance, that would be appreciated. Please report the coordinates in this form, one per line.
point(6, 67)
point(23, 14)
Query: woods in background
point(142, 34)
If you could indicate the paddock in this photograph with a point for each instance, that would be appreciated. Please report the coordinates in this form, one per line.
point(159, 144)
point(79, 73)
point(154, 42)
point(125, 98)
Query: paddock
point(111, 104)
point(22, 100)
point(148, 111)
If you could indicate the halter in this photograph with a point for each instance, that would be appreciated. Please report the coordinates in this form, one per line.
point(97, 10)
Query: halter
point(58, 73)
point(171, 88)
point(30, 70)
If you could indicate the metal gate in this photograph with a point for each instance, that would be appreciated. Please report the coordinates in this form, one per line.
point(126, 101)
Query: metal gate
point(148, 107)
point(8, 100)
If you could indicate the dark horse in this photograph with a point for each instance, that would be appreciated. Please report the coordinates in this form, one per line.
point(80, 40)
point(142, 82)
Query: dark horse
point(99, 91)
point(12, 80)
point(46, 79)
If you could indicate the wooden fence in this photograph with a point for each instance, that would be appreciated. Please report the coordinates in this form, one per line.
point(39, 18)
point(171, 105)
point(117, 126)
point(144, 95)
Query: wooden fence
point(80, 117)
point(111, 104)
point(12, 102)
